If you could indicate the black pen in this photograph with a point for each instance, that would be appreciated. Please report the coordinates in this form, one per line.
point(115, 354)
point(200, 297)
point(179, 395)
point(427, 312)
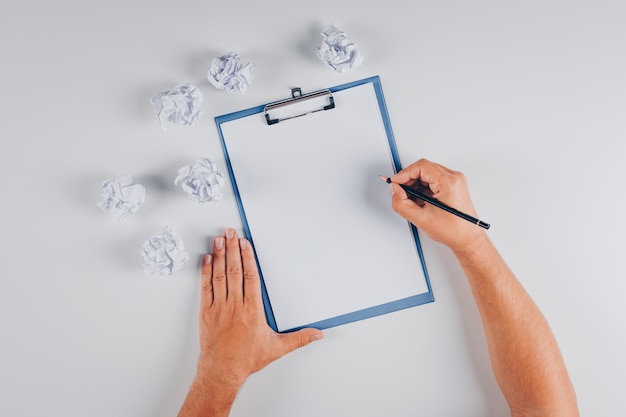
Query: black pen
point(439, 204)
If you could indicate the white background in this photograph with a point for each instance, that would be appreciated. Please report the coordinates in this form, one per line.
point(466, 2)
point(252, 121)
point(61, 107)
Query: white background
point(527, 98)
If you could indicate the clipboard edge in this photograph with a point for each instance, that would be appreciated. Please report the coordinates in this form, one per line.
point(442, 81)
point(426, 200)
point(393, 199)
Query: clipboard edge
point(366, 313)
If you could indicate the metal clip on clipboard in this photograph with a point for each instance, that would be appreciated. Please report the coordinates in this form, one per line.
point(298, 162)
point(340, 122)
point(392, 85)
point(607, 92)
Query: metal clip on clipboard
point(299, 105)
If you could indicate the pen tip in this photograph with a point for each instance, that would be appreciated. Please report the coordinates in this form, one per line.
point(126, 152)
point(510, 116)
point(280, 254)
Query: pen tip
point(386, 179)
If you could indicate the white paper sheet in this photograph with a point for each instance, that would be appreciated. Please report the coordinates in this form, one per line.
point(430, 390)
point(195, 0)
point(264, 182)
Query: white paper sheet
point(327, 240)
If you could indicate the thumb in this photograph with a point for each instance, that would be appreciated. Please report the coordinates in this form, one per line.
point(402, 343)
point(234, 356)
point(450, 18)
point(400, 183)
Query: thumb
point(301, 338)
point(402, 204)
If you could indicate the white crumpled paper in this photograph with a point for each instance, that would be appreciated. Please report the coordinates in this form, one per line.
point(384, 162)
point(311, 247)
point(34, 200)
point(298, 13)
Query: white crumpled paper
point(163, 253)
point(121, 197)
point(227, 73)
point(337, 51)
point(202, 180)
point(179, 106)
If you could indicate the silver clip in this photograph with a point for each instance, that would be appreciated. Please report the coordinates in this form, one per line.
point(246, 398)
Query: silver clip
point(301, 104)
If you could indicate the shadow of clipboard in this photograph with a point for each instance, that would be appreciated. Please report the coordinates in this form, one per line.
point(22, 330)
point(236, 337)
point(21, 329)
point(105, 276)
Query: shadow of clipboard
point(304, 171)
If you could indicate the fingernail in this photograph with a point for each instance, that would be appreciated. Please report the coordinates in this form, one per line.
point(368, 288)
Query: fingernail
point(317, 336)
point(230, 233)
point(219, 242)
point(207, 259)
point(242, 243)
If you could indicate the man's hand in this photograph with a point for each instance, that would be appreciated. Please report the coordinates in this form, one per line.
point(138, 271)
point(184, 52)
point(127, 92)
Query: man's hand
point(235, 340)
point(234, 335)
point(445, 185)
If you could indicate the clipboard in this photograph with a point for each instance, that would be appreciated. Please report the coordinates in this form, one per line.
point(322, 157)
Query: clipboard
point(304, 171)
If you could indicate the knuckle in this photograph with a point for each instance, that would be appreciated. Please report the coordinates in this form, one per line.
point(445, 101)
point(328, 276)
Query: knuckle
point(207, 287)
point(219, 277)
point(233, 270)
point(249, 274)
point(457, 179)
point(303, 341)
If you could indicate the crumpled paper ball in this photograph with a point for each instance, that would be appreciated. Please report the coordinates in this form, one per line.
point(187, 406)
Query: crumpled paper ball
point(163, 253)
point(202, 180)
point(227, 73)
point(179, 106)
point(121, 197)
point(337, 51)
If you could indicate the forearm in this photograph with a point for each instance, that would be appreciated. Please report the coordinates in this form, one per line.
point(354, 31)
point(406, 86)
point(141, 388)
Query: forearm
point(211, 395)
point(524, 354)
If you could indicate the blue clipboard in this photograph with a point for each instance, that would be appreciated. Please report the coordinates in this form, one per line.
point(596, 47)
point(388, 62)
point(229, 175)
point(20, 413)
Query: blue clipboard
point(304, 175)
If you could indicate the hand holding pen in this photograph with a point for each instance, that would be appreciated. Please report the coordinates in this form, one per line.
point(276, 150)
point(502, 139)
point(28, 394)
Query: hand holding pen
point(439, 203)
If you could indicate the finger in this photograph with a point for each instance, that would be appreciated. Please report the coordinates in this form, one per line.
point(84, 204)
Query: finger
point(301, 338)
point(446, 182)
point(400, 201)
point(422, 170)
point(410, 173)
point(207, 281)
point(220, 288)
point(251, 280)
point(423, 188)
point(411, 210)
point(234, 274)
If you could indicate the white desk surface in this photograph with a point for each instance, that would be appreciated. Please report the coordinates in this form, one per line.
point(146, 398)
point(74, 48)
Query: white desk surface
point(528, 99)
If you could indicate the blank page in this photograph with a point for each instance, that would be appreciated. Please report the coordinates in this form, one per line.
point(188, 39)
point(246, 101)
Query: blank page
point(328, 243)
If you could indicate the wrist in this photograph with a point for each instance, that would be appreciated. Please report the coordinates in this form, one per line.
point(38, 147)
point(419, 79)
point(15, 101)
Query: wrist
point(212, 392)
point(476, 245)
point(222, 371)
